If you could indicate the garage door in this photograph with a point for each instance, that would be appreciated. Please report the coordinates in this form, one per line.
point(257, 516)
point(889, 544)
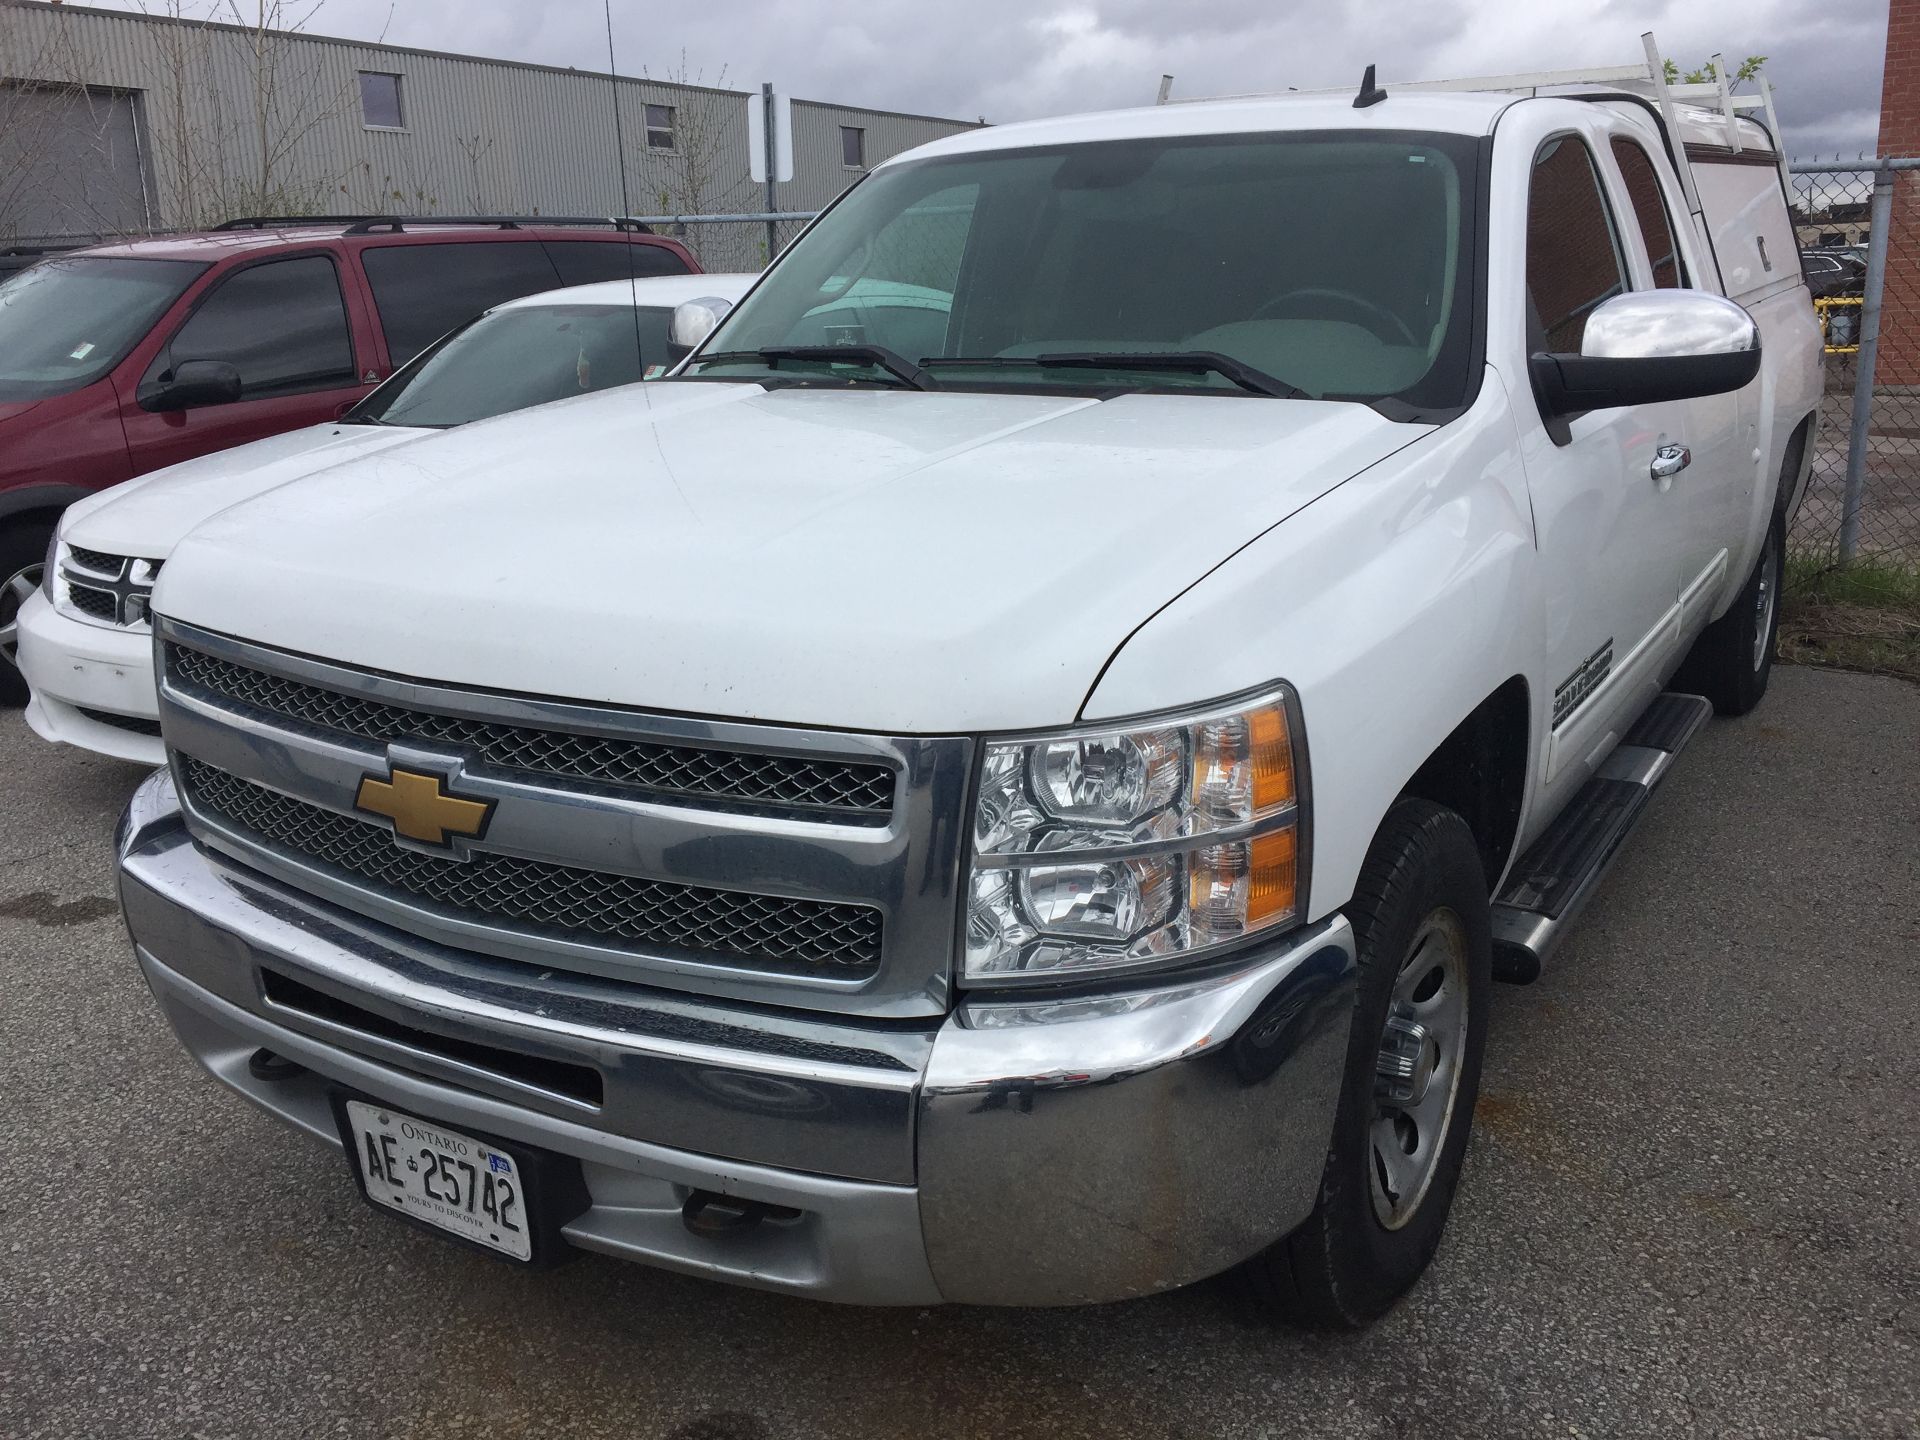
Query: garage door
point(69, 162)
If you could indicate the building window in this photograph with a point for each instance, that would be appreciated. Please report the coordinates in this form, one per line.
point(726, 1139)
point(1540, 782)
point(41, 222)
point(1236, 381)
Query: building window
point(853, 147)
point(659, 127)
point(380, 101)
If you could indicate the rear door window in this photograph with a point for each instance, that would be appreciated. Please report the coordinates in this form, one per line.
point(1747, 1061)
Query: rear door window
point(582, 262)
point(282, 325)
point(423, 291)
point(1573, 250)
point(1650, 209)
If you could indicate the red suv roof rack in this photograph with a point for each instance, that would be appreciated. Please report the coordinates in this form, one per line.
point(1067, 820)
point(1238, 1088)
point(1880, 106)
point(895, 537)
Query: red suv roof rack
point(370, 224)
point(367, 225)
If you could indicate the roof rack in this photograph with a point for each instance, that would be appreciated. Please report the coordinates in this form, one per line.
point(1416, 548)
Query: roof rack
point(370, 224)
point(280, 222)
point(1647, 81)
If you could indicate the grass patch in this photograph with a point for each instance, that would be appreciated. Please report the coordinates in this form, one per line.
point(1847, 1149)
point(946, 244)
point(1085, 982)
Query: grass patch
point(1863, 617)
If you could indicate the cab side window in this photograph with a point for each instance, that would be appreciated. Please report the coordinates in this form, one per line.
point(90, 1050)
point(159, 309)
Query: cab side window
point(1649, 206)
point(1573, 251)
point(282, 325)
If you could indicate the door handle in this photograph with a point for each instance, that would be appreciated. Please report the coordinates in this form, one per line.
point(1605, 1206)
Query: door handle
point(1669, 461)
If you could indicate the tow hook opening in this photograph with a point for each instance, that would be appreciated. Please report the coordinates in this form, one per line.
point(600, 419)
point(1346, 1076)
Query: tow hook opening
point(707, 1212)
point(263, 1064)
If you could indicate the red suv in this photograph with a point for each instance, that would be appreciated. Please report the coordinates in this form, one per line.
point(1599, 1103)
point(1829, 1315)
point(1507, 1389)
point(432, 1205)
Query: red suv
point(122, 358)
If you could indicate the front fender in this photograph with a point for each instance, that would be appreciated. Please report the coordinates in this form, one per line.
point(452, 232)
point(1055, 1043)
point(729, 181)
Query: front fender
point(1394, 605)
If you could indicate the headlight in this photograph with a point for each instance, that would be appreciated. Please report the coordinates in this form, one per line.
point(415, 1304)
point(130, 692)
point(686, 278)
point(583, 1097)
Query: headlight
point(1114, 848)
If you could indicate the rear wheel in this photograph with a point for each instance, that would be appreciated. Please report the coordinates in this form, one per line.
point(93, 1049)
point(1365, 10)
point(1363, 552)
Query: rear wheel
point(23, 550)
point(1413, 1073)
point(1732, 661)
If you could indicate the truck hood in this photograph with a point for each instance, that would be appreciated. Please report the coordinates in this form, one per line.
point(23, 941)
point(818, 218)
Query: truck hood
point(882, 560)
point(148, 515)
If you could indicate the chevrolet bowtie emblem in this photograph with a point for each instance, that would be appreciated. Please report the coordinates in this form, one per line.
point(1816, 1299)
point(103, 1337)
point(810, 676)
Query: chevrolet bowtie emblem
point(420, 808)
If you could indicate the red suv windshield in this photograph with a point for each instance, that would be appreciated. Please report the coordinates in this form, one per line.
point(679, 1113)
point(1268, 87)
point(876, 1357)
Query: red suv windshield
point(65, 322)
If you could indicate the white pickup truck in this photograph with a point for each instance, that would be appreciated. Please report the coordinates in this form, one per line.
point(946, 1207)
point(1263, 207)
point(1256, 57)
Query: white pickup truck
point(1007, 779)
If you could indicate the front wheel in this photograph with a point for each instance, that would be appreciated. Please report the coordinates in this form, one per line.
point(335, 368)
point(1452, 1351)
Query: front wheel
point(1420, 920)
point(23, 550)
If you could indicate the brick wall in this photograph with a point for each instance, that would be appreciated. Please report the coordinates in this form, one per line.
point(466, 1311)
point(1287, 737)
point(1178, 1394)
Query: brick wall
point(1900, 136)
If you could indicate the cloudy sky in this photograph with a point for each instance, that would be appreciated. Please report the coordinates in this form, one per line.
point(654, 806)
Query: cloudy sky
point(1011, 59)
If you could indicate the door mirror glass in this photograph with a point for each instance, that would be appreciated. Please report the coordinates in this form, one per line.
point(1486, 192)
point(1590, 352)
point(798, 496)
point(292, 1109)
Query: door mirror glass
point(196, 383)
point(1650, 346)
point(693, 321)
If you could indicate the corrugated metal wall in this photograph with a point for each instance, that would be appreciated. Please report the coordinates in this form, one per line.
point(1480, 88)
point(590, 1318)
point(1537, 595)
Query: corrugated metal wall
point(235, 124)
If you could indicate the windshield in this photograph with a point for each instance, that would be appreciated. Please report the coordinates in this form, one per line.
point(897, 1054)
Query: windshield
point(525, 355)
point(67, 321)
point(1332, 264)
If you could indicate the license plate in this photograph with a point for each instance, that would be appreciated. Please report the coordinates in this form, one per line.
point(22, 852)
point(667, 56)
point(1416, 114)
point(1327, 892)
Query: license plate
point(441, 1177)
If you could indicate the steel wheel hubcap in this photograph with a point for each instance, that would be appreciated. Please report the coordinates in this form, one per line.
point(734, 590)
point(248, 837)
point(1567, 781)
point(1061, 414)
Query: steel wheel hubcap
point(19, 587)
point(1763, 604)
point(1417, 1071)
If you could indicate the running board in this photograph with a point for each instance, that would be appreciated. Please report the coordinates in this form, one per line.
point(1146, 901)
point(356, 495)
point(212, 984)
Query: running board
point(1559, 873)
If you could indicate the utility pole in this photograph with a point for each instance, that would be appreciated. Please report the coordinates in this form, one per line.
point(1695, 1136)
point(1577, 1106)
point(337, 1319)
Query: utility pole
point(773, 226)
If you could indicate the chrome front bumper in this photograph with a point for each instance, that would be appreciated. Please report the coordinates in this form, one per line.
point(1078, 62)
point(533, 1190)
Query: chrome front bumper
point(1022, 1151)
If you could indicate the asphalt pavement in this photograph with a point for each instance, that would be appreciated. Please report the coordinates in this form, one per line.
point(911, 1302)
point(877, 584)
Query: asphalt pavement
point(1690, 1208)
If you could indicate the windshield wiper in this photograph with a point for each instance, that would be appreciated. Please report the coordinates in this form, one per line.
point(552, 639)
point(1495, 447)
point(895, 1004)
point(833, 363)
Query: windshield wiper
point(1195, 361)
point(878, 356)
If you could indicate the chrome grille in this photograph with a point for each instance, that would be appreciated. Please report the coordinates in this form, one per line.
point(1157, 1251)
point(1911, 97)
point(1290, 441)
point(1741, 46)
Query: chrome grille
point(847, 789)
point(557, 901)
point(112, 588)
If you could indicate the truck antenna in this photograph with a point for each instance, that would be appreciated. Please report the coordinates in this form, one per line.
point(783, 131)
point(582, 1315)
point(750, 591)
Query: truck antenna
point(626, 205)
point(1370, 93)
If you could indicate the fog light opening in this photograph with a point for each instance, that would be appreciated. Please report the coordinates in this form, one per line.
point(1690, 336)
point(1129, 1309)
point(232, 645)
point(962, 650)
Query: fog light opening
point(707, 1212)
point(263, 1064)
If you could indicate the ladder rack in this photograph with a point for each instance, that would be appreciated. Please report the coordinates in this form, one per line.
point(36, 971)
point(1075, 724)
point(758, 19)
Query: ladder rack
point(1647, 81)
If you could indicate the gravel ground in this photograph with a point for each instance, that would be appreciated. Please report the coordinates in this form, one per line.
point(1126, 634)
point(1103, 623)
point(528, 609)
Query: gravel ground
point(1690, 1207)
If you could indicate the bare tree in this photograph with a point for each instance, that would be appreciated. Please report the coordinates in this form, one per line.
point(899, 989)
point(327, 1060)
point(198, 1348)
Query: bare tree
point(476, 148)
point(700, 170)
point(249, 149)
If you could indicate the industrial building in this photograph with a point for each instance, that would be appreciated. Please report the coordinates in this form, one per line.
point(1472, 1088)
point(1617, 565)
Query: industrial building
point(114, 122)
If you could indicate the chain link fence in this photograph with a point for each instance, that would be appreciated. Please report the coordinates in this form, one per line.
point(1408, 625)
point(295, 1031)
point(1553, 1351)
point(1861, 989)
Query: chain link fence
point(731, 243)
point(1859, 232)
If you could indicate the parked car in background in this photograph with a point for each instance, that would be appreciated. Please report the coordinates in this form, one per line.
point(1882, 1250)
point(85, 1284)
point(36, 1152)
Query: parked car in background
point(85, 646)
point(120, 359)
point(1833, 273)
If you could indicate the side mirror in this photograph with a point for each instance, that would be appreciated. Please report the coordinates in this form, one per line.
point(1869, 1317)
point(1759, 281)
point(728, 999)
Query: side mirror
point(1650, 346)
point(693, 321)
point(195, 383)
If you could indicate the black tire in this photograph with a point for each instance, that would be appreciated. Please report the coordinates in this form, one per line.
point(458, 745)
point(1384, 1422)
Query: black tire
point(23, 549)
point(1732, 661)
point(1346, 1265)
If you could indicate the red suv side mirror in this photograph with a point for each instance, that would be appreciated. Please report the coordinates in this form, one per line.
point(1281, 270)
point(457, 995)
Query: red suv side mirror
point(195, 383)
